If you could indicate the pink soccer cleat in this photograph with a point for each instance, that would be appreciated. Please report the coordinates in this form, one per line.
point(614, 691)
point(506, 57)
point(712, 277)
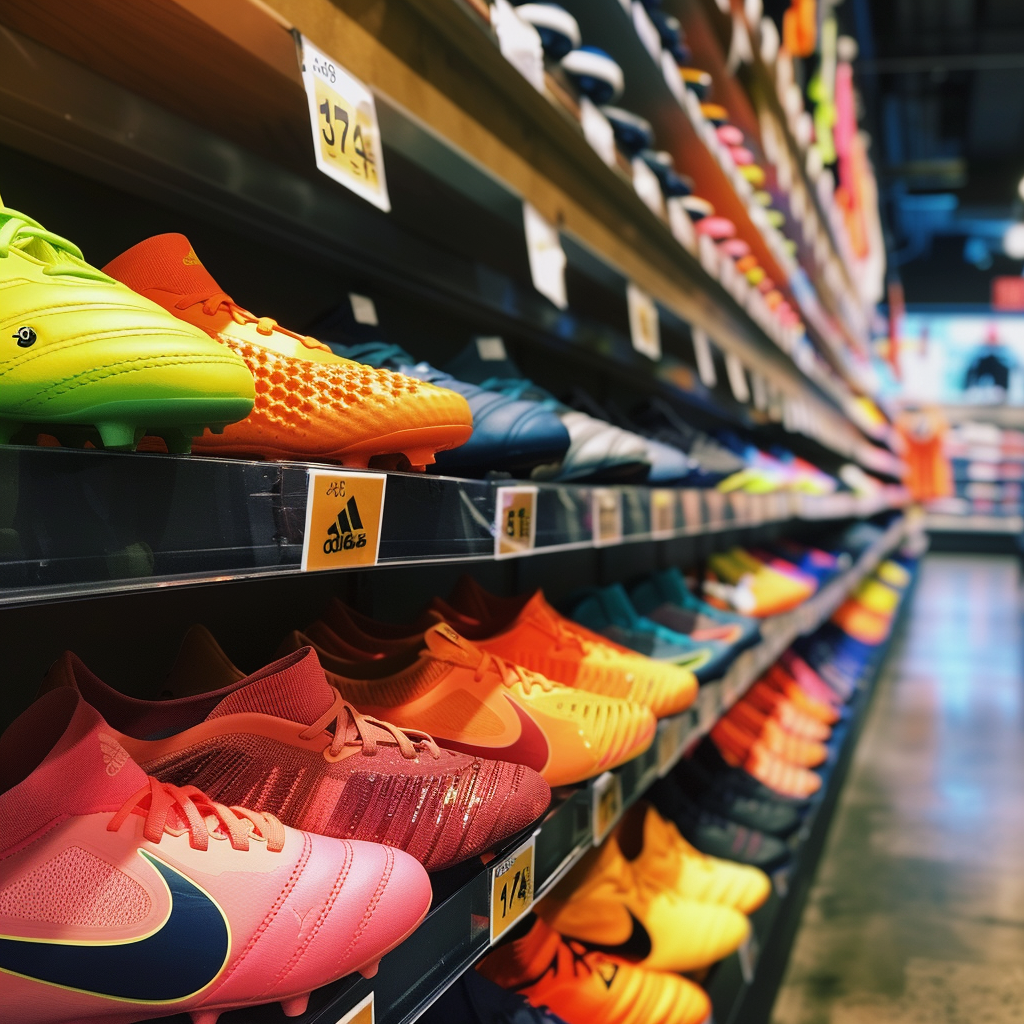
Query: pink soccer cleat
point(123, 898)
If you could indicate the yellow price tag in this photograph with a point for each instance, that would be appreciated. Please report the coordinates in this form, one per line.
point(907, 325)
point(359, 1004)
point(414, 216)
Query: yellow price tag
point(606, 515)
point(343, 519)
point(512, 889)
point(346, 136)
point(663, 514)
point(361, 1013)
point(607, 805)
point(515, 521)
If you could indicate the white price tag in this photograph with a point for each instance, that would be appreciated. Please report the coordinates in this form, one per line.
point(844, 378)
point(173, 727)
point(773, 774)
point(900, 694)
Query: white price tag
point(597, 130)
point(681, 225)
point(709, 255)
point(670, 69)
point(346, 136)
point(643, 322)
point(606, 516)
point(646, 31)
point(705, 362)
point(520, 43)
point(647, 187)
point(547, 258)
point(737, 378)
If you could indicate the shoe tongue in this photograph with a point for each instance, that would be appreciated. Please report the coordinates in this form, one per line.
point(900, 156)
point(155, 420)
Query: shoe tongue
point(443, 642)
point(672, 587)
point(200, 666)
point(86, 770)
point(165, 263)
point(293, 688)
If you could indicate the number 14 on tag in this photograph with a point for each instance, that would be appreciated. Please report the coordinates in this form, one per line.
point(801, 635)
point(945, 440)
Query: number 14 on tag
point(346, 136)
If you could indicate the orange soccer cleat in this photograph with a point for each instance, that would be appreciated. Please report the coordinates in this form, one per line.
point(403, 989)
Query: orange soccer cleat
point(584, 986)
point(310, 403)
point(788, 713)
point(783, 777)
point(528, 632)
point(820, 705)
point(745, 726)
point(478, 703)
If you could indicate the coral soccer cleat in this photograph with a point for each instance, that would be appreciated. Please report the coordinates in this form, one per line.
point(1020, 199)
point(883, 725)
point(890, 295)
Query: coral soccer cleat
point(123, 898)
point(310, 403)
point(478, 703)
point(85, 359)
point(281, 740)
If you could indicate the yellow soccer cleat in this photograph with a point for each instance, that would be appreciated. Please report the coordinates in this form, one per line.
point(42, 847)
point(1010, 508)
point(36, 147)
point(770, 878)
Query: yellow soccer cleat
point(83, 358)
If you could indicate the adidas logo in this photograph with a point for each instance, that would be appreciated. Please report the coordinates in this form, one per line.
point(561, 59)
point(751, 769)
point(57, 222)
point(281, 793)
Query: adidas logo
point(191, 259)
point(114, 755)
point(347, 531)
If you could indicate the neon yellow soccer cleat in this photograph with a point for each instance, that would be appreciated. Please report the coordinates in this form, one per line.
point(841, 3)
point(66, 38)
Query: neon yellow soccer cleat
point(84, 358)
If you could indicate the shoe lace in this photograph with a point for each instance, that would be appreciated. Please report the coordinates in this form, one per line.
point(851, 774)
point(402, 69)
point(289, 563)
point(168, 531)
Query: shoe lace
point(18, 231)
point(510, 673)
point(176, 809)
point(336, 720)
point(265, 325)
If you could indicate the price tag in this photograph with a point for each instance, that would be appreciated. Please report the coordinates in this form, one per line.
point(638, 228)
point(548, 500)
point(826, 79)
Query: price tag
point(361, 1013)
point(709, 705)
point(606, 516)
point(343, 519)
point(597, 130)
point(705, 362)
point(520, 43)
point(748, 954)
point(693, 510)
point(643, 322)
point(663, 514)
point(647, 187)
point(646, 31)
point(681, 225)
point(716, 509)
point(737, 378)
point(515, 521)
point(512, 888)
point(709, 256)
point(547, 257)
point(346, 136)
point(607, 806)
point(739, 506)
point(672, 735)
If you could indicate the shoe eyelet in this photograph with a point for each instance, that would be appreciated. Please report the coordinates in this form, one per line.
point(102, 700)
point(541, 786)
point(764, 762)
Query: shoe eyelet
point(24, 336)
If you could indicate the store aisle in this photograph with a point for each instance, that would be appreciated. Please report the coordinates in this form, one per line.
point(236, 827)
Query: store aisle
point(917, 914)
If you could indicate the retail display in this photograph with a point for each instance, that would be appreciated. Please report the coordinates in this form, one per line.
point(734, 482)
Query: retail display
point(578, 531)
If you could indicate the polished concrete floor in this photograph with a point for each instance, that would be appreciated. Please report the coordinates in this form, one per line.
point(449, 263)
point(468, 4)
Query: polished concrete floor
point(917, 912)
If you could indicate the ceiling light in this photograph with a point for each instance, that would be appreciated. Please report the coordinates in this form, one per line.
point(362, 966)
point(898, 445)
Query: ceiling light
point(1013, 241)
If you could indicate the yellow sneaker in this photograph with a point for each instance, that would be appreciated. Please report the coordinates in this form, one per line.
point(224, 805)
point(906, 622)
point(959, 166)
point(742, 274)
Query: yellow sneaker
point(662, 856)
point(310, 403)
point(607, 905)
point(83, 358)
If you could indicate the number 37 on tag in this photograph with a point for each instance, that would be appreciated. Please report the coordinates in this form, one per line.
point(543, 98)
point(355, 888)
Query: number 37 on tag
point(346, 136)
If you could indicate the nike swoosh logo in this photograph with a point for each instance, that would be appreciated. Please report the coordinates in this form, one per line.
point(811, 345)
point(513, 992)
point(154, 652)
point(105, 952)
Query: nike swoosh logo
point(637, 947)
point(531, 749)
point(175, 962)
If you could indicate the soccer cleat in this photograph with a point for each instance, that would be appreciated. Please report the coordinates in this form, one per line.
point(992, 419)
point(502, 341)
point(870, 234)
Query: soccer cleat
point(607, 905)
point(728, 773)
point(767, 700)
point(586, 987)
point(758, 589)
point(85, 359)
point(809, 680)
point(123, 898)
point(698, 621)
point(821, 704)
point(744, 725)
point(483, 705)
point(715, 835)
point(284, 742)
point(526, 631)
point(861, 623)
point(660, 854)
point(781, 776)
point(310, 403)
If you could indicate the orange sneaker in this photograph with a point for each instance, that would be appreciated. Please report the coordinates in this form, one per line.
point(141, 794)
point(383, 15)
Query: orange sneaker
point(476, 702)
point(782, 682)
point(605, 904)
point(310, 403)
point(747, 725)
point(769, 769)
point(663, 857)
point(532, 634)
point(862, 623)
point(582, 986)
point(769, 701)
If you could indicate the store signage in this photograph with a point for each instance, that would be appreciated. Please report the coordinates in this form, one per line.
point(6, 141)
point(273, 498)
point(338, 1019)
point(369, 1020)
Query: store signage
point(606, 805)
point(515, 521)
point(606, 516)
point(547, 258)
point(663, 514)
point(346, 135)
point(361, 1013)
point(512, 888)
point(344, 512)
point(643, 322)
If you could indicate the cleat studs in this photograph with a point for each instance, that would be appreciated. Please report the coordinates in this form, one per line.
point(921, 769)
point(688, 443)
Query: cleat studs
point(178, 441)
point(370, 970)
point(119, 435)
point(296, 1006)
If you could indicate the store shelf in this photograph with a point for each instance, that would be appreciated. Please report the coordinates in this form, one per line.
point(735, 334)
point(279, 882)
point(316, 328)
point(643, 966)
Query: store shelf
point(938, 523)
point(743, 987)
point(456, 932)
point(85, 522)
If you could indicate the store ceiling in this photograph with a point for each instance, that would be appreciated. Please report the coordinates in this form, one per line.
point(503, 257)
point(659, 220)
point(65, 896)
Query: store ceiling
point(943, 86)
